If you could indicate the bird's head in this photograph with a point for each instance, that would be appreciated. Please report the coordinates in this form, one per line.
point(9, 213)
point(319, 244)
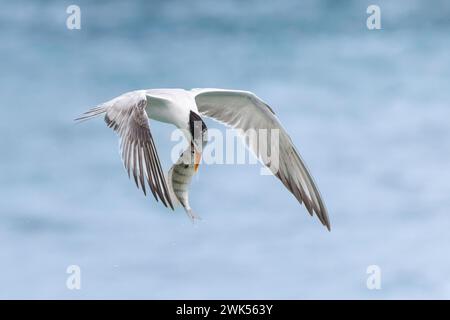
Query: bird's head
point(199, 136)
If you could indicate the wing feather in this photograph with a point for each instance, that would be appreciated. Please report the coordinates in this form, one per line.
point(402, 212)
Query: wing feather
point(126, 115)
point(245, 111)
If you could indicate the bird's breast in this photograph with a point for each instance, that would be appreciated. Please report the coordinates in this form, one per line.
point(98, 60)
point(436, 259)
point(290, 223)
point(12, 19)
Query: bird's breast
point(173, 107)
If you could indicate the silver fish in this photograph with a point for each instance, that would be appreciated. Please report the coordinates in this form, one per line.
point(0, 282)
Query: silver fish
point(179, 178)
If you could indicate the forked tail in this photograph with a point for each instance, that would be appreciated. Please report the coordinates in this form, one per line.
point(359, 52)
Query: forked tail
point(92, 113)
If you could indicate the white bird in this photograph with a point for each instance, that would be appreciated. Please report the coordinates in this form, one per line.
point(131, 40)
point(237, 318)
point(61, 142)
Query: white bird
point(129, 113)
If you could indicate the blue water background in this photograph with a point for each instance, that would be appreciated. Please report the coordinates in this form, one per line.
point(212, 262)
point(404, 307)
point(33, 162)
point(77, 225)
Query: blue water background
point(368, 110)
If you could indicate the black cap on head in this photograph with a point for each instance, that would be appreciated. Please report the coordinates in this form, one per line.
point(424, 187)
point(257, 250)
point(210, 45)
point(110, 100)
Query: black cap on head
point(197, 127)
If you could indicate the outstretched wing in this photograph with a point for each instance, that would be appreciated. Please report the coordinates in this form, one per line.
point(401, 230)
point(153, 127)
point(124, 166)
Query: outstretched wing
point(245, 111)
point(126, 115)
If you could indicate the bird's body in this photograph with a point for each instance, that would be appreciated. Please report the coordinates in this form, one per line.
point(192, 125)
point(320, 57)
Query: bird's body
point(128, 115)
point(171, 106)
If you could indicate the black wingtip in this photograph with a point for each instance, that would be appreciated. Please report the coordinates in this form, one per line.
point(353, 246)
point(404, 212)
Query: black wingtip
point(324, 219)
point(171, 205)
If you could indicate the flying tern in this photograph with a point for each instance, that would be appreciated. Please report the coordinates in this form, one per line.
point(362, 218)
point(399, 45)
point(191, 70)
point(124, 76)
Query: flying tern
point(128, 115)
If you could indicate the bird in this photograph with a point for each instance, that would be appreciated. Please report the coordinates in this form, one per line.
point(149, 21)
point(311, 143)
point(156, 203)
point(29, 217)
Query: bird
point(128, 115)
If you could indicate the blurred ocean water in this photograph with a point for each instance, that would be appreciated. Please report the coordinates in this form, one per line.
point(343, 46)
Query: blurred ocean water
point(368, 110)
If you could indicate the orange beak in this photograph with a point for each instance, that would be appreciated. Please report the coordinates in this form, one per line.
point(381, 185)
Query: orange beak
point(197, 158)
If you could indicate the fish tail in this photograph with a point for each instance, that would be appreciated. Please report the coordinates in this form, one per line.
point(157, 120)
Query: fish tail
point(192, 215)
